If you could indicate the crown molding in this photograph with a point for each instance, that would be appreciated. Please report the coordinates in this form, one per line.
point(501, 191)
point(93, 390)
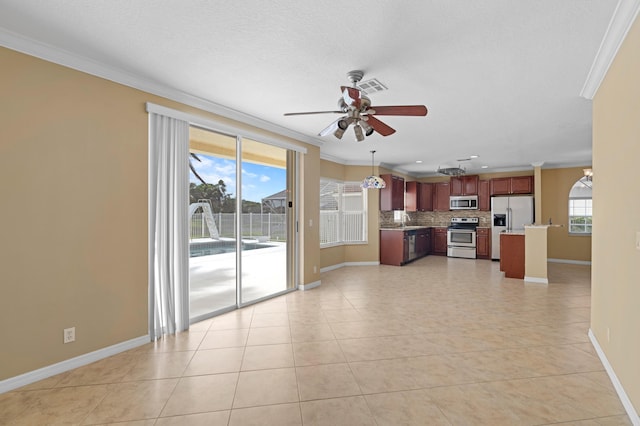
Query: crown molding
point(621, 21)
point(49, 53)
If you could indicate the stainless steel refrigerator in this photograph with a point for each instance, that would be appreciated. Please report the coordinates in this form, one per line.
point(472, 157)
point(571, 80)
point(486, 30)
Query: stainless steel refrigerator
point(509, 214)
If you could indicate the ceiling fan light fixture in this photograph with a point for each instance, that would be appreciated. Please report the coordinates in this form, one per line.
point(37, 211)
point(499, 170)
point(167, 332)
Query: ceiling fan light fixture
point(358, 131)
point(339, 132)
point(368, 130)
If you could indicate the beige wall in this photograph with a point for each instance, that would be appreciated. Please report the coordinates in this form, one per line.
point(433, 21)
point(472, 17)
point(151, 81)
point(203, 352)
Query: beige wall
point(615, 293)
point(556, 185)
point(73, 173)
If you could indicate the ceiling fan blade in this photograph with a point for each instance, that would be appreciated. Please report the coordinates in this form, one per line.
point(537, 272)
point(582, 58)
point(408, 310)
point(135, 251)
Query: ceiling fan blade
point(351, 96)
point(379, 126)
point(400, 110)
point(313, 112)
point(330, 128)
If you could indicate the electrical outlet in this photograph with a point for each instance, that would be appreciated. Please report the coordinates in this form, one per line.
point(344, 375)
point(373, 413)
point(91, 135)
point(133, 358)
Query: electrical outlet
point(638, 240)
point(315, 269)
point(69, 335)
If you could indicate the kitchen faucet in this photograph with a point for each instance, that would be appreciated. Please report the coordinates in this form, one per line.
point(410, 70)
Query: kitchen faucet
point(405, 216)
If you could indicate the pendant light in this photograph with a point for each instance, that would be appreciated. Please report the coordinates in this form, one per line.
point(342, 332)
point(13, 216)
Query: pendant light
point(373, 181)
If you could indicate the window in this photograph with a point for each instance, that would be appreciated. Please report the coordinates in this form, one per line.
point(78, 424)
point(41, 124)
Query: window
point(580, 207)
point(343, 213)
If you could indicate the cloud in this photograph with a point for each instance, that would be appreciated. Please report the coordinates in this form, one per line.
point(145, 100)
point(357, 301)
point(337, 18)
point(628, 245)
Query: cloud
point(249, 174)
point(264, 178)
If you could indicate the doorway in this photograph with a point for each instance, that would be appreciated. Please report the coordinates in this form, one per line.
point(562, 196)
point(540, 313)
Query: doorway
point(241, 222)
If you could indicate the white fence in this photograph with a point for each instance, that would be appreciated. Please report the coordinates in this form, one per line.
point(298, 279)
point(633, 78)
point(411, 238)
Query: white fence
point(342, 227)
point(254, 225)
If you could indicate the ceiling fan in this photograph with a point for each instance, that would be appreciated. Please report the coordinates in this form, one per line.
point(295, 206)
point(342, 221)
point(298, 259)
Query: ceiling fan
point(359, 112)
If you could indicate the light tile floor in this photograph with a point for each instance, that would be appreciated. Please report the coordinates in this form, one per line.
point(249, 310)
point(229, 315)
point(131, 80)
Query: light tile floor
point(437, 342)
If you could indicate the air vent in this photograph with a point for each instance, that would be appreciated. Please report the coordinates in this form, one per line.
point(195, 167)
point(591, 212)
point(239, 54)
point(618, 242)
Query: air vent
point(371, 86)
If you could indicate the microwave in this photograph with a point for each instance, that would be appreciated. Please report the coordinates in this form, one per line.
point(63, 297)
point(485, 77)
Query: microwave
point(463, 202)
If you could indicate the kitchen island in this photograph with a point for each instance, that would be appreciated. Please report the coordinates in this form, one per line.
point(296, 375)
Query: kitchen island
point(401, 245)
point(512, 254)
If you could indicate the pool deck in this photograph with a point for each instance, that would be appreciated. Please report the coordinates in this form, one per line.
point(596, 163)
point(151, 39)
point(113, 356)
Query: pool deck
point(213, 278)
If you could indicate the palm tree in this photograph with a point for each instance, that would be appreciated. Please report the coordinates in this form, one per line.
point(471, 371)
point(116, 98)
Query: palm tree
point(193, 169)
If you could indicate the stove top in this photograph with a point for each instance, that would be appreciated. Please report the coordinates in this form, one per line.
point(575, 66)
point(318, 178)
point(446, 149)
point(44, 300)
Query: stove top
point(464, 223)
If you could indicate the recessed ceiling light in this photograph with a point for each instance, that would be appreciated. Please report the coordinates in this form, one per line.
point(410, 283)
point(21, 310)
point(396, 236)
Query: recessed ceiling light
point(419, 161)
point(474, 156)
point(485, 167)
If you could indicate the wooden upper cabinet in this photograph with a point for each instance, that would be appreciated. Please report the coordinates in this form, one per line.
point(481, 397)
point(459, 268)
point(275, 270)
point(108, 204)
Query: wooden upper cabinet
point(464, 185)
point(425, 197)
point(501, 186)
point(484, 199)
point(522, 185)
point(392, 196)
point(418, 196)
point(412, 196)
point(512, 185)
point(441, 197)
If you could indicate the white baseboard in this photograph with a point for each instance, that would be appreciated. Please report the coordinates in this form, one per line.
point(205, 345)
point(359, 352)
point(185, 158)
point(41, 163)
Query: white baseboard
point(573, 262)
point(69, 364)
point(340, 265)
point(626, 402)
point(536, 280)
point(305, 287)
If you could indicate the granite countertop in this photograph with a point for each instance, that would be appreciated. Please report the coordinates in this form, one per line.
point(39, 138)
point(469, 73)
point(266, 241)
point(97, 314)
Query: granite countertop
point(516, 232)
point(405, 228)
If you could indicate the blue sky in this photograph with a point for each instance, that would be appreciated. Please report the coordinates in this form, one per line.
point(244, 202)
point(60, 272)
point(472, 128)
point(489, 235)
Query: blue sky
point(258, 181)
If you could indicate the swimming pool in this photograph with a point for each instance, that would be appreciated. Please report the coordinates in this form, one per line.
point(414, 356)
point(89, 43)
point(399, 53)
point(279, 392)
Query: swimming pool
point(208, 248)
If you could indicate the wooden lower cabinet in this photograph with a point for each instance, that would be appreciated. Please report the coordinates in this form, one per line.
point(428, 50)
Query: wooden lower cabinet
point(423, 242)
point(439, 241)
point(394, 245)
point(483, 243)
point(512, 255)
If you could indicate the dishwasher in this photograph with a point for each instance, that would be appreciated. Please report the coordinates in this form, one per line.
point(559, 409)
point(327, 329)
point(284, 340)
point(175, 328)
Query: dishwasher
point(411, 236)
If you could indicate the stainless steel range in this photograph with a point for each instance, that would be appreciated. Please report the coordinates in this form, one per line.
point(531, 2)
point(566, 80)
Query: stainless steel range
point(461, 237)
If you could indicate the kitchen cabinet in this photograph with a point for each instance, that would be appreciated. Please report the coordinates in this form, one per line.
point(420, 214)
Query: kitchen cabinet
point(418, 197)
point(512, 185)
point(423, 242)
point(512, 255)
point(425, 201)
point(412, 196)
point(483, 243)
point(439, 241)
point(396, 246)
point(392, 196)
point(484, 199)
point(441, 197)
point(464, 185)
point(522, 185)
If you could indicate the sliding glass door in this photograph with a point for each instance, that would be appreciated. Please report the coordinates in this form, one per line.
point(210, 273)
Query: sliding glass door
point(241, 217)
point(264, 220)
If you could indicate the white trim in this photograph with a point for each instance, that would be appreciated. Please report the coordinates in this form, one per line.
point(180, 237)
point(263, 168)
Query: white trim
point(71, 60)
point(69, 364)
point(305, 287)
point(573, 262)
point(340, 265)
point(626, 402)
point(621, 21)
point(199, 121)
point(536, 280)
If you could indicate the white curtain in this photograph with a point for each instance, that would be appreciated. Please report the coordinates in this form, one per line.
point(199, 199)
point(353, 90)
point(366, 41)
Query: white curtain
point(168, 225)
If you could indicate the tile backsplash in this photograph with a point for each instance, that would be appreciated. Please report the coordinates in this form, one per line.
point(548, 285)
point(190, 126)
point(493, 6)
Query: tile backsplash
point(386, 218)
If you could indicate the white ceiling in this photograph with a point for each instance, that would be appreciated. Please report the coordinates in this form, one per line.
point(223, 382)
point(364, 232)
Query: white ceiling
point(501, 78)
